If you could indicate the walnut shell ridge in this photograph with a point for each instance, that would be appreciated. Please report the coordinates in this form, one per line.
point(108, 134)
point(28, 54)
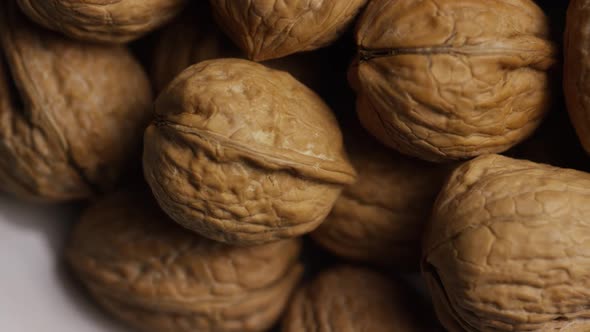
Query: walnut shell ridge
point(106, 21)
point(381, 218)
point(450, 80)
point(157, 276)
point(351, 299)
point(72, 116)
point(267, 29)
point(244, 154)
point(507, 248)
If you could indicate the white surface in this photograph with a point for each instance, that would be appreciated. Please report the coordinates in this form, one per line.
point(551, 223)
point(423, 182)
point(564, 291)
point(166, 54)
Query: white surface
point(37, 293)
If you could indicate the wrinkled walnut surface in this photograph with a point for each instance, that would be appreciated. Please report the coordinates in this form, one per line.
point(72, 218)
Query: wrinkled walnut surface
point(244, 154)
point(507, 248)
point(72, 114)
point(381, 217)
point(576, 72)
point(110, 21)
point(448, 79)
point(267, 29)
point(352, 299)
point(157, 276)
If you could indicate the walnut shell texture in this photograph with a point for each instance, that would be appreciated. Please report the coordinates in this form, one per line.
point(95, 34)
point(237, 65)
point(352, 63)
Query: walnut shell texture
point(107, 21)
point(508, 248)
point(244, 154)
point(448, 79)
point(381, 217)
point(267, 29)
point(157, 276)
point(576, 78)
point(72, 113)
point(351, 299)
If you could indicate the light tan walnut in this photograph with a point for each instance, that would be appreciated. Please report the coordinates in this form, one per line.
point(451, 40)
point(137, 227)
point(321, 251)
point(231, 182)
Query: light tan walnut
point(244, 154)
point(267, 29)
point(452, 79)
point(71, 114)
point(381, 217)
point(107, 21)
point(352, 299)
point(157, 276)
point(508, 248)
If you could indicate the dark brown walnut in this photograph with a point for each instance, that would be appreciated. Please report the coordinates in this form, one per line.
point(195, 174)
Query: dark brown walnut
point(157, 276)
point(507, 248)
point(244, 154)
point(448, 79)
point(576, 79)
point(195, 38)
point(267, 29)
point(381, 218)
point(352, 299)
point(107, 21)
point(71, 114)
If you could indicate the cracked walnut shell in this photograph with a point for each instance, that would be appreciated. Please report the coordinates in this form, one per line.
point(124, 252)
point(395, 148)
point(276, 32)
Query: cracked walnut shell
point(507, 248)
point(107, 21)
point(352, 299)
point(244, 154)
point(72, 115)
point(381, 217)
point(448, 79)
point(157, 276)
point(267, 29)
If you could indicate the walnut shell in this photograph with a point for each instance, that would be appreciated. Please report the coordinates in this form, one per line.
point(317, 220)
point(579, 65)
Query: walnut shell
point(576, 81)
point(381, 217)
point(72, 113)
point(507, 248)
point(351, 299)
point(157, 276)
point(449, 80)
point(244, 154)
point(267, 29)
point(107, 21)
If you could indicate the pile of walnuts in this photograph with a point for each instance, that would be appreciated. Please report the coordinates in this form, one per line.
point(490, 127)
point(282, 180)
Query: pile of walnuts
point(233, 189)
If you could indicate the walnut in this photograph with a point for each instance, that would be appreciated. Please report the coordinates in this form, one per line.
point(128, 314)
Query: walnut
point(108, 21)
point(244, 154)
point(72, 113)
point(507, 249)
point(350, 299)
point(157, 276)
point(381, 218)
point(267, 29)
point(576, 80)
point(448, 79)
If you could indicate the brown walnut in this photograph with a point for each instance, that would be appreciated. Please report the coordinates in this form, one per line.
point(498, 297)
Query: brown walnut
point(352, 299)
point(157, 276)
point(381, 217)
point(507, 248)
point(108, 21)
point(244, 154)
point(576, 79)
point(71, 114)
point(449, 79)
point(267, 29)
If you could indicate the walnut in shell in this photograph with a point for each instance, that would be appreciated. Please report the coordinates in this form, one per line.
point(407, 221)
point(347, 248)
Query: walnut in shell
point(381, 217)
point(72, 116)
point(158, 276)
point(108, 21)
point(267, 29)
point(449, 79)
point(351, 299)
point(244, 154)
point(576, 79)
point(507, 248)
